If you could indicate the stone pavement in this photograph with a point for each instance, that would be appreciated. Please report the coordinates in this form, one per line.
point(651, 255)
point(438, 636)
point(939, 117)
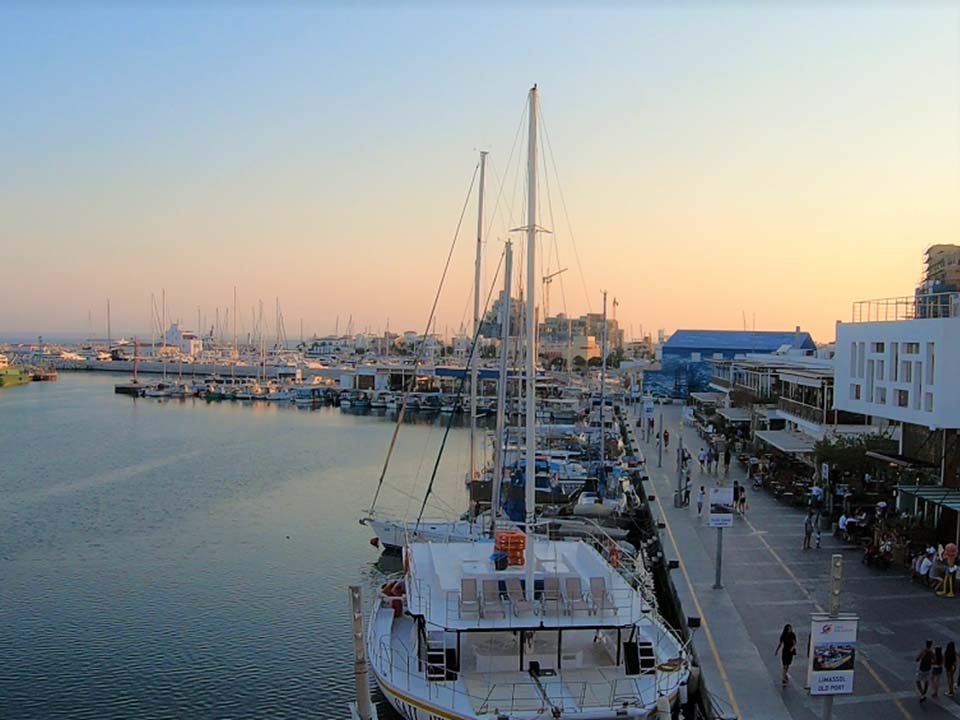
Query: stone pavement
point(769, 581)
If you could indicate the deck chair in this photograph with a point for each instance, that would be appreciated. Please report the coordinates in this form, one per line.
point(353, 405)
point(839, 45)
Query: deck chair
point(518, 602)
point(490, 603)
point(469, 599)
point(551, 600)
point(574, 595)
point(602, 599)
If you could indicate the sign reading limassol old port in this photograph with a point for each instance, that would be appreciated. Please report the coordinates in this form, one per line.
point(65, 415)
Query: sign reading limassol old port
point(833, 649)
point(721, 507)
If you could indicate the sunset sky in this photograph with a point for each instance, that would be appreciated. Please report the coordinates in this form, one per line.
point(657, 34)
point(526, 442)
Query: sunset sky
point(716, 160)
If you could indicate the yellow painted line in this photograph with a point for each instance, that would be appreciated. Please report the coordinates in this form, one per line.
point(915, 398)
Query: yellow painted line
point(863, 661)
point(724, 678)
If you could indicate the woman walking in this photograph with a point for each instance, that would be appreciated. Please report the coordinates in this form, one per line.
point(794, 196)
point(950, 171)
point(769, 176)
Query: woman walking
point(937, 670)
point(950, 666)
point(786, 648)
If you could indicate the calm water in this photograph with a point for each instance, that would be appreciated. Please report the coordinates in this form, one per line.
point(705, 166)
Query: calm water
point(183, 559)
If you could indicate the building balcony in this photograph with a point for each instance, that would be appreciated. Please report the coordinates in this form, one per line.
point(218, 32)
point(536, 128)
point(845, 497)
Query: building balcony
point(908, 307)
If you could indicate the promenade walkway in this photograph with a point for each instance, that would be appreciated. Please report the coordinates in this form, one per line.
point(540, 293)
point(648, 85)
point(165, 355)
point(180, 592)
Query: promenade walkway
point(769, 581)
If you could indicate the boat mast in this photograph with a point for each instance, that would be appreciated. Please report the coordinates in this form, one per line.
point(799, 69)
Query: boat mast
point(505, 315)
point(474, 360)
point(602, 477)
point(163, 332)
point(531, 364)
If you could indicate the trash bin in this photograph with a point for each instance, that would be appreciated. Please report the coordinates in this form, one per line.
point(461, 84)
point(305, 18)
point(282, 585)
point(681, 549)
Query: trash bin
point(499, 560)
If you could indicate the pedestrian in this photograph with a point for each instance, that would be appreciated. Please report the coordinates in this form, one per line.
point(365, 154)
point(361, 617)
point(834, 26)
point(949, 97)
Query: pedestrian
point(736, 495)
point(924, 664)
point(950, 666)
point(700, 498)
point(807, 530)
point(666, 438)
point(816, 524)
point(701, 458)
point(742, 505)
point(936, 670)
point(726, 460)
point(686, 490)
point(786, 649)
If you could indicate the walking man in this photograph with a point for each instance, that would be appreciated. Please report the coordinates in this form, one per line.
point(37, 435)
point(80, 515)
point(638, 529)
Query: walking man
point(808, 530)
point(700, 497)
point(701, 457)
point(924, 665)
point(736, 495)
point(686, 489)
point(726, 461)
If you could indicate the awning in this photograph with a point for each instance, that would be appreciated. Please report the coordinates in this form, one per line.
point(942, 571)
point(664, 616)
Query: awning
point(945, 497)
point(795, 443)
point(901, 460)
point(709, 398)
point(735, 414)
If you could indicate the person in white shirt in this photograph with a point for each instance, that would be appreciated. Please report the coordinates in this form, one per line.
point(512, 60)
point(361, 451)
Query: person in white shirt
point(842, 525)
point(924, 568)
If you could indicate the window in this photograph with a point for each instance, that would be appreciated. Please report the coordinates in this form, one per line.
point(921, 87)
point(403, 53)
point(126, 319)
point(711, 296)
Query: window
point(861, 359)
point(911, 348)
point(903, 398)
point(876, 347)
point(906, 371)
point(879, 369)
point(854, 391)
point(695, 356)
point(853, 359)
point(930, 359)
point(928, 402)
point(880, 396)
point(895, 361)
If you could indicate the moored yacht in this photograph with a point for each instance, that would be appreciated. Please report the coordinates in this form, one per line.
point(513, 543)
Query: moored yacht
point(460, 637)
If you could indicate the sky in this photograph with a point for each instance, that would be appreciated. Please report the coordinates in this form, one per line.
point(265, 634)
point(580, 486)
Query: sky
point(719, 164)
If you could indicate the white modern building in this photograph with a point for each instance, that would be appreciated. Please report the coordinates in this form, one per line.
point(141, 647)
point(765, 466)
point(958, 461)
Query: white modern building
point(903, 363)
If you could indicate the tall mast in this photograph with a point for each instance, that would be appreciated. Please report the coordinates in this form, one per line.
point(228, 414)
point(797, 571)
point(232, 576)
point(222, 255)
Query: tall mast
point(603, 388)
point(233, 360)
point(531, 384)
point(474, 359)
point(163, 331)
point(505, 315)
point(109, 344)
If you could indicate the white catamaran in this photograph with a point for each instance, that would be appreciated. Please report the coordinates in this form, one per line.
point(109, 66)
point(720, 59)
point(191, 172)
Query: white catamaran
point(539, 629)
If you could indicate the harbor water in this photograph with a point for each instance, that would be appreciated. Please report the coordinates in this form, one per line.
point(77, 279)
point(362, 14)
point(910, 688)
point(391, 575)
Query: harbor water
point(167, 559)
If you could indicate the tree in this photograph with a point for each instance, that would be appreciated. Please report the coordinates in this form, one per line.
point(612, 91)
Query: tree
point(847, 454)
point(579, 362)
point(557, 363)
point(614, 359)
point(594, 362)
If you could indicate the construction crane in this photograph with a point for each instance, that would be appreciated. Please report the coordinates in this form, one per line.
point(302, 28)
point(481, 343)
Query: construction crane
point(547, 279)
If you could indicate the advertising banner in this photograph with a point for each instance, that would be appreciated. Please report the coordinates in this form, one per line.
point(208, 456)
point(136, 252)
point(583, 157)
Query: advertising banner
point(721, 507)
point(833, 647)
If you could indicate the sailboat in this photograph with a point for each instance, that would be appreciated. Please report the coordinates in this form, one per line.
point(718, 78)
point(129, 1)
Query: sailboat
point(524, 627)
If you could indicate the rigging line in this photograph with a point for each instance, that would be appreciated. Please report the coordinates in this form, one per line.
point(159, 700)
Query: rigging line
point(556, 242)
point(423, 340)
point(566, 214)
point(506, 169)
point(456, 400)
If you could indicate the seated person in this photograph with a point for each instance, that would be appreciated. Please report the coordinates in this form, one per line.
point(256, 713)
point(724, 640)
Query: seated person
point(923, 570)
point(842, 525)
point(938, 571)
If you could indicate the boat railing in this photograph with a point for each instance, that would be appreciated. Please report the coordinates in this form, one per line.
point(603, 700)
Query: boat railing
point(405, 671)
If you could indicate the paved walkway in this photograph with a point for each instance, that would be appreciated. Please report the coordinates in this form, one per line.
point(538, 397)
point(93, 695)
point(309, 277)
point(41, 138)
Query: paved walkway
point(769, 581)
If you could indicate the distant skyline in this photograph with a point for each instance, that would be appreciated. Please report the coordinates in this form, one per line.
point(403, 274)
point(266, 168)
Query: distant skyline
point(773, 162)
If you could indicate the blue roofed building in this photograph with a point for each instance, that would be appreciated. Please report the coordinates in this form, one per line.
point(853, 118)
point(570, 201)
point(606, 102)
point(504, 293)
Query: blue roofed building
point(685, 357)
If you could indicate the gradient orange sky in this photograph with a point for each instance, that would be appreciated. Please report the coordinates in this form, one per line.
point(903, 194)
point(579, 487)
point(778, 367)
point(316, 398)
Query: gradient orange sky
point(780, 162)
